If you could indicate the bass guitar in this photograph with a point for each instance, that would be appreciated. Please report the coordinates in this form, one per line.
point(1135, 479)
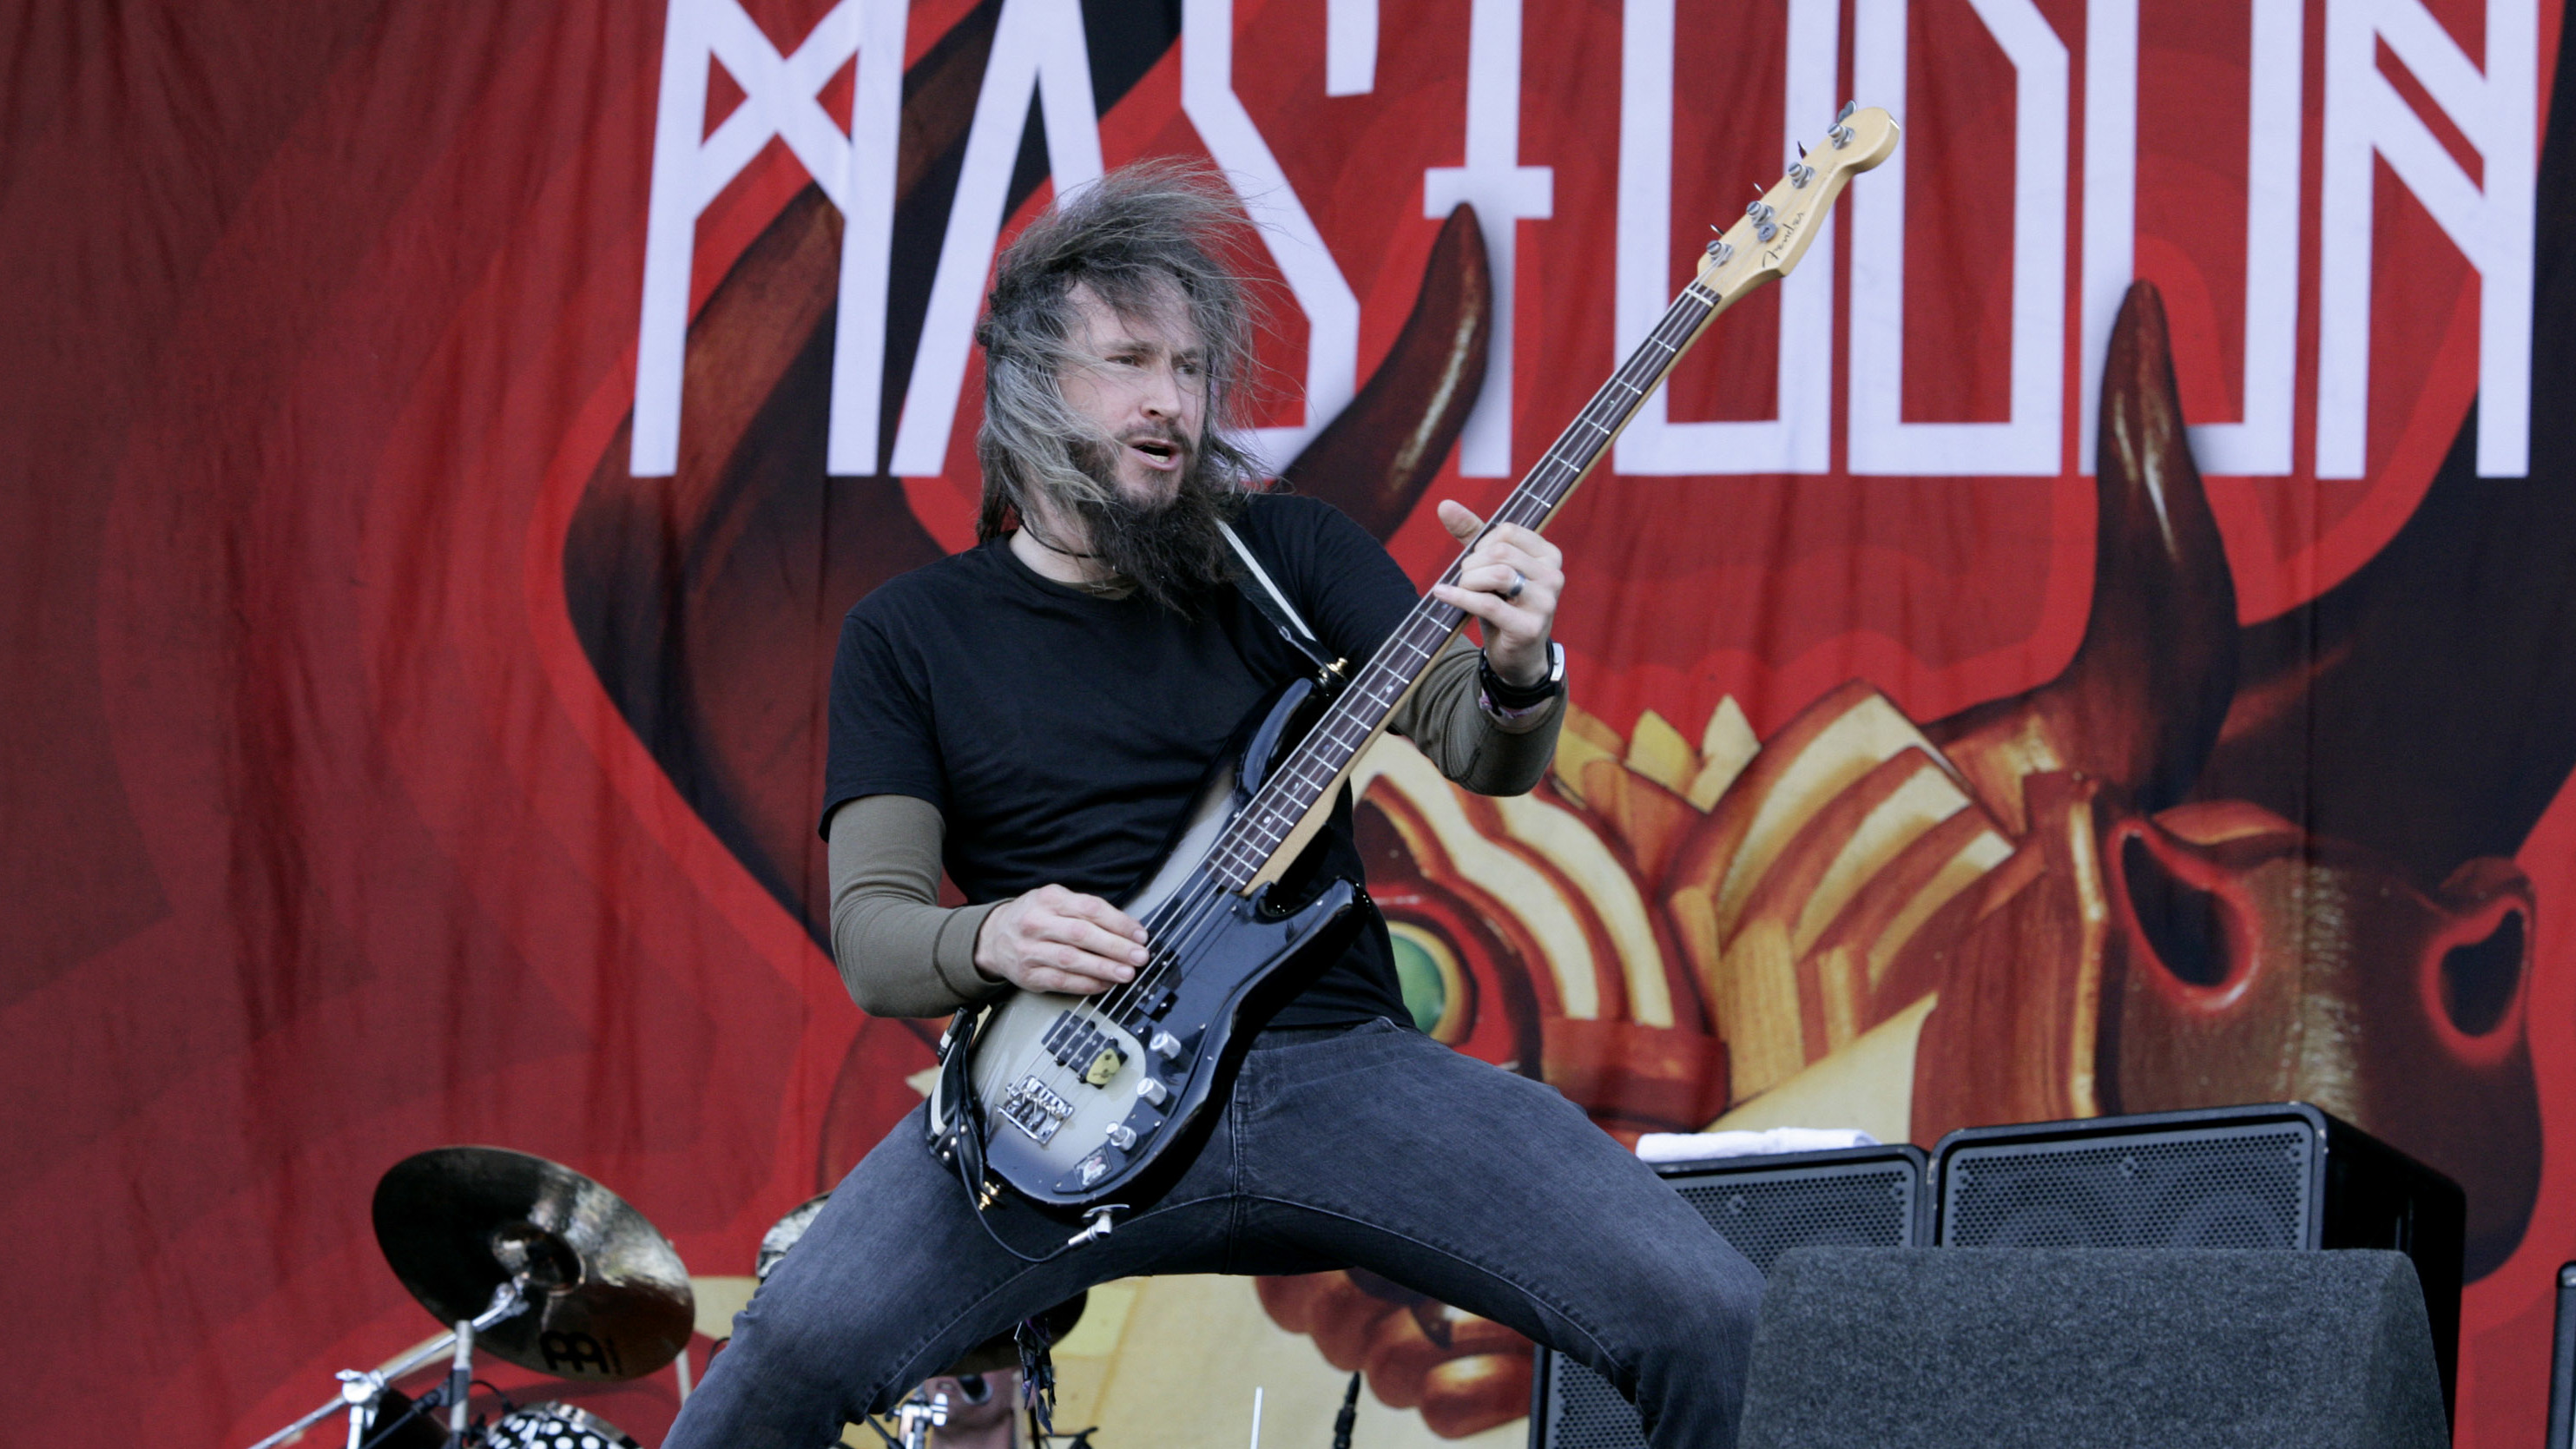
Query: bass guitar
point(1087, 1103)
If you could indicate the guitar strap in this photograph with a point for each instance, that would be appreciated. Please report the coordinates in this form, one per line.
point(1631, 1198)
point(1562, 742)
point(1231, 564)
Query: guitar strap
point(1331, 671)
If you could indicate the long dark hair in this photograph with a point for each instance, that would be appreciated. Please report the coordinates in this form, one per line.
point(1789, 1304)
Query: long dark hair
point(1134, 237)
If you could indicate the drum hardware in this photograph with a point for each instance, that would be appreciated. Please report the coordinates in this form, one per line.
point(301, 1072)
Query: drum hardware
point(400, 1422)
point(919, 1415)
point(361, 1389)
point(1021, 1348)
point(556, 1426)
point(573, 1282)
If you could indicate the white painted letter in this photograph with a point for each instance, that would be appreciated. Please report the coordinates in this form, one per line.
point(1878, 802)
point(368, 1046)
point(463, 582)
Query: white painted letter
point(1350, 47)
point(855, 171)
point(1332, 311)
point(2031, 443)
point(1503, 191)
point(2492, 226)
point(1800, 440)
point(2260, 444)
point(1038, 47)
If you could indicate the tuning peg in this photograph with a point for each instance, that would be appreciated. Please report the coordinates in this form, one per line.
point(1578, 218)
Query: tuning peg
point(1801, 174)
point(1718, 253)
point(1802, 150)
point(1845, 113)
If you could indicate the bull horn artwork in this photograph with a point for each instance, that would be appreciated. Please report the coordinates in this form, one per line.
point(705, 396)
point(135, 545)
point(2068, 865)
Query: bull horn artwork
point(1374, 459)
point(2140, 703)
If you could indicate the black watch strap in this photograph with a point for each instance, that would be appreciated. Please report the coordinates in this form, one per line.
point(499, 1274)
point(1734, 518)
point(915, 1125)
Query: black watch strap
point(1505, 695)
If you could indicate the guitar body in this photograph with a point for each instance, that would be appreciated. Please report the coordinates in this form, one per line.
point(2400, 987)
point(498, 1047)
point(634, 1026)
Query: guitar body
point(1088, 1100)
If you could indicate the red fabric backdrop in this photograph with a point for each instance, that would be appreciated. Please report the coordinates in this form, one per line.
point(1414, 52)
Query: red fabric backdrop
point(334, 831)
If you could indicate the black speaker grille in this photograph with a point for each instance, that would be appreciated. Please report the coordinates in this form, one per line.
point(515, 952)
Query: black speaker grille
point(1765, 1214)
point(2196, 1187)
point(1584, 1412)
point(1762, 1213)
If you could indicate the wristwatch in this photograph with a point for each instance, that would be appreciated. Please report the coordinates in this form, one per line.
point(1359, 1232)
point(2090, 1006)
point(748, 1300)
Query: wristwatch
point(1509, 698)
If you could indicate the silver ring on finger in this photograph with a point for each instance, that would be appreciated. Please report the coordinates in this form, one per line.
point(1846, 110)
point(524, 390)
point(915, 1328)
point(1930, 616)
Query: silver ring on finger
point(1520, 581)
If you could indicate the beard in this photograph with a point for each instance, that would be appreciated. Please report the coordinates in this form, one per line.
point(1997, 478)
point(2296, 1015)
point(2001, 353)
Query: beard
point(1170, 550)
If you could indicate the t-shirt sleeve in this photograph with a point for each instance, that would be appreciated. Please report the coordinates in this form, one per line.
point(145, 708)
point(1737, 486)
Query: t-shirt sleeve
point(1340, 578)
point(883, 733)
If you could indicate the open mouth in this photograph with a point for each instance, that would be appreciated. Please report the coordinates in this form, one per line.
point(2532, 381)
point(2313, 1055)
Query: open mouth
point(1157, 452)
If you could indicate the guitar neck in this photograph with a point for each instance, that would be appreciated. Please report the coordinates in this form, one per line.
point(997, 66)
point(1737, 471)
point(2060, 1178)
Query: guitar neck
point(1273, 823)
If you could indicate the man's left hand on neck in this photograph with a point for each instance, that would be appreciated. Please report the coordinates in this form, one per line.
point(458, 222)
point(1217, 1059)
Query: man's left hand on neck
point(1510, 582)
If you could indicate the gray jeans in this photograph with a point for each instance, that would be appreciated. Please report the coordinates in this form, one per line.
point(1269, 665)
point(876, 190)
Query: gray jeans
point(1372, 1148)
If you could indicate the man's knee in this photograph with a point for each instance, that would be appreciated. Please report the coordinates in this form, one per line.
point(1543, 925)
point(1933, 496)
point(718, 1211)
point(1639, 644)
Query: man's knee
point(1712, 1322)
point(795, 1345)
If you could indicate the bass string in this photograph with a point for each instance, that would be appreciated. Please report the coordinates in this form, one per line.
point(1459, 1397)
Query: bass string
point(1042, 1065)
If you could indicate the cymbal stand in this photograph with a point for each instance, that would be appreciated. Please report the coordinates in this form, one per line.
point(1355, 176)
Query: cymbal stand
point(918, 1416)
point(359, 1390)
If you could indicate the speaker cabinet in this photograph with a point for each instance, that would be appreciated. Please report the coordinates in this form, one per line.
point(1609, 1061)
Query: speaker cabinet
point(1872, 1197)
point(2284, 1175)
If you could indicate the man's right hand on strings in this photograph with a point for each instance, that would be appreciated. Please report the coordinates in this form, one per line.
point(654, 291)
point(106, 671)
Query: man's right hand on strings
point(1053, 939)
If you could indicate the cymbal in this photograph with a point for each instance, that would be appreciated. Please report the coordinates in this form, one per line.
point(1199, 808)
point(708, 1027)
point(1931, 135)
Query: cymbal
point(783, 1234)
point(608, 1296)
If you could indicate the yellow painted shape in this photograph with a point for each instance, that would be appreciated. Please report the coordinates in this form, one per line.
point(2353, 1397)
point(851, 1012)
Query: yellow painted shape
point(719, 1299)
point(1919, 804)
point(1104, 1319)
point(1757, 1009)
point(1857, 742)
point(1580, 741)
point(1726, 746)
point(1868, 1084)
point(1657, 751)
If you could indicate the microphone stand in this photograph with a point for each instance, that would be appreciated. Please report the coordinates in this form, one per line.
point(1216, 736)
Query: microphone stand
point(359, 1391)
point(1349, 1415)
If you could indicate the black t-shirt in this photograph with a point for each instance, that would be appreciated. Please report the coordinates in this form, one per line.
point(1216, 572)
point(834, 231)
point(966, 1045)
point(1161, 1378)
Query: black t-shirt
point(1062, 735)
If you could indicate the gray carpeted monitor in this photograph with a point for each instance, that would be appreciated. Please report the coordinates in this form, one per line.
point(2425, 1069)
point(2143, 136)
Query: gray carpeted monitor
point(2079, 1347)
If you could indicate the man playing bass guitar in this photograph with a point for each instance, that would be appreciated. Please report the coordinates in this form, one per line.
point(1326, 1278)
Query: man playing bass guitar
point(1035, 714)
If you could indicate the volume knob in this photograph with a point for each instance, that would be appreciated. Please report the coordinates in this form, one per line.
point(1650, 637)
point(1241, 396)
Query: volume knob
point(1153, 1090)
point(1122, 1137)
point(1166, 1046)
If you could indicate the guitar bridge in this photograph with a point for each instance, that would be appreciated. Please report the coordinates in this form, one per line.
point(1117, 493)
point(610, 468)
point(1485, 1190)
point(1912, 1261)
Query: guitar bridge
point(1035, 1110)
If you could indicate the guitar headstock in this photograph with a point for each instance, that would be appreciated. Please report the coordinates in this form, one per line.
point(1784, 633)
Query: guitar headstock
point(1773, 233)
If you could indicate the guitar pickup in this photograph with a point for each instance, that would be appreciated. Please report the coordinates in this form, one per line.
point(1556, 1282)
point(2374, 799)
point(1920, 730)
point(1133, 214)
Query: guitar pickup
point(1078, 1043)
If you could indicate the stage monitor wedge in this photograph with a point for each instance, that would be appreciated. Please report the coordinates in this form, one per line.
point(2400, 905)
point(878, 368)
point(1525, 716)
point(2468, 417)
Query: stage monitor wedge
point(1873, 1197)
point(2282, 1175)
point(2091, 1348)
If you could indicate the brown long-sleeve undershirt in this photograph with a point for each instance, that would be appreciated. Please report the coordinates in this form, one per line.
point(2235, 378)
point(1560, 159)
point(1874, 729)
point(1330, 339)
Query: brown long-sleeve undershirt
point(901, 953)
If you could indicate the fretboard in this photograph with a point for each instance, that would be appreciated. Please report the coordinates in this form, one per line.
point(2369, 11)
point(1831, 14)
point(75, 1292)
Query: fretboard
point(1319, 762)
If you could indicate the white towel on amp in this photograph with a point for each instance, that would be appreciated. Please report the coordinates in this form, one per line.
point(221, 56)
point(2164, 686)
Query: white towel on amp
point(1701, 1146)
